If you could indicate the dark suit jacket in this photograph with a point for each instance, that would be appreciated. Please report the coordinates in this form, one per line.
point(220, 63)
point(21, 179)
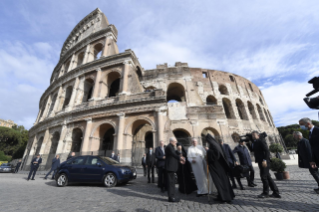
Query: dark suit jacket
point(38, 164)
point(171, 159)
point(229, 155)
point(18, 165)
point(243, 155)
point(261, 151)
point(150, 159)
point(159, 154)
point(304, 153)
point(114, 157)
point(314, 142)
point(55, 163)
point(142, 162)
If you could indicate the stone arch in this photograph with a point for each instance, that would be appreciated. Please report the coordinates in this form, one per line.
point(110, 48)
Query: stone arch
point(88, 89)
point(94, 131)
point(39, 144)
point(80, 59)
point(146, 119)
point(261, 101)
point(175, 93)
point(67, 65)
point(114, 83)
point(241, 109)
point(236, 137)
point(77, 138)
point(223, 89)
point(272, 120)
point(139, 72)
point(182, 136)
point(211, 131)
point(97, 50)
point(102, 138)
point(68, 94)
point(211, 100)
point(252, 110)
point(149, 140)
point(55, 96)
point(53, 148)
point(260, 112)
point(229, 112)
point(268, 119)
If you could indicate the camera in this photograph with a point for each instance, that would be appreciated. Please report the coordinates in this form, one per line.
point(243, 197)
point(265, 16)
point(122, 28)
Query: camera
point(249, 137)
point(313, 103)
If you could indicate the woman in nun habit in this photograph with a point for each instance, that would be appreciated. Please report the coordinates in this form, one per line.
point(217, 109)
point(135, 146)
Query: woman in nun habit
point(218, 168)
point(186, 181)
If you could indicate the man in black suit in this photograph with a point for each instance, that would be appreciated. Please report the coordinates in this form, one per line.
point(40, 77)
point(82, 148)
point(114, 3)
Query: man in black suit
point(17, 167)
point(55, 165)
point(262, 157)
point(171, 166)
point(230, 157)
point(150, 163)
point(113, 156)
point(305, 156)
point(306, 124)
point(245, 160)
point(160, 156)
point(71, 156)
point(144, 164)
point(35, 163)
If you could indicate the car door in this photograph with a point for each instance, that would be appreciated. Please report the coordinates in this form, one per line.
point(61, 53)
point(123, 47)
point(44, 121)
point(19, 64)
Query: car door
point(92, 171)
point(76, 168)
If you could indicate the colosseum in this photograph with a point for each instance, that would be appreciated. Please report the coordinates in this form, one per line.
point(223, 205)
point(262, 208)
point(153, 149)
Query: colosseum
point(101, 100)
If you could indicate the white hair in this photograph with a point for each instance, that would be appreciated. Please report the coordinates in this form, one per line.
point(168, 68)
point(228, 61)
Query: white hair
point(305, 120)
point(298, 133)
point(172, 139)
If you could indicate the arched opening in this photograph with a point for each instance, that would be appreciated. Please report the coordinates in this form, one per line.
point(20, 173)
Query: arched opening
point(252, 110)
point(211, 100)
point(260, 112)
point(268, 119)
point(139, 72)
point(229, 112)
point(223, 90)
point(77, 137)
point(39, 144)
point(68, 94)
point(67, 66)
point(175, 93)
point(272, 120)
point(114, 83)
point(108, 140)
point(211, 131)
point(80, 59)
point(231, 78)
point(98, 48)
point(149, 140)
point(88, 88)
point(235, 137)
point(241, 109)
point(251, 88)
point(142, 134)
point(149, 89)
point(261, 101)
point(54, 145)
point(183, 137)
point(52, 104)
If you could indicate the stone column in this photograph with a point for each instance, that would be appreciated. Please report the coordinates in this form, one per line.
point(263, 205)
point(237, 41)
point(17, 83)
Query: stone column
point(120, 132)
point(108, 39)
point(72, 63)
point(87, 54)
point(155, 142)
point(74, 92)
point(37, 120)
point(160, 125)
point(47, 109)
point(57, 101)
point(46, 140)
point(124, 80)
point(62, 140)
point(86, 140)
point(97, 85)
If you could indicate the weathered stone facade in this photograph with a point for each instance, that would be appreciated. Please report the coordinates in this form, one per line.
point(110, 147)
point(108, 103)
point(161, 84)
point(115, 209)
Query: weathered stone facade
point(101, 100)
point(6, 123)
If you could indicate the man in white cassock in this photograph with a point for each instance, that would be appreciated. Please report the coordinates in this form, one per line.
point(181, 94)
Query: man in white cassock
point(196, 156)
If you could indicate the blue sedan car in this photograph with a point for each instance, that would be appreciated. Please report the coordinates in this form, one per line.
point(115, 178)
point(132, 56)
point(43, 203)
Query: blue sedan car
point(93, 169)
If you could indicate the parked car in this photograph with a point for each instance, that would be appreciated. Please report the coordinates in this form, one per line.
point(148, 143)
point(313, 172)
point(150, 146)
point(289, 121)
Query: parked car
point(5, 168)
point(94, 169)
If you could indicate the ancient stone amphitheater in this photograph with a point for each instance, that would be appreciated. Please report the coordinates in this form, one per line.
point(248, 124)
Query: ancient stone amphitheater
point(101, 100)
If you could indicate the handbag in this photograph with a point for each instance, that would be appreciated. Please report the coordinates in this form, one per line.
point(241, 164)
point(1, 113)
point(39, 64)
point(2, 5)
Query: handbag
point(241, 171)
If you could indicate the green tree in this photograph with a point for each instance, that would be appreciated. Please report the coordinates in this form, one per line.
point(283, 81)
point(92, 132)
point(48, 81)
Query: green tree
point(3, 157)
point(10, 140)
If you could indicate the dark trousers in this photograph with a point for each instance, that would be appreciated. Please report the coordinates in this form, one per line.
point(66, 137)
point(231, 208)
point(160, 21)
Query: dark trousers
point(33, 170)
point(149, 169)
point(144, 170)
point(170, 184)
point(52, 170)
point(251, 175)
point(267, 180)
point(315, 174)
point(161, 178)
point(17, 169)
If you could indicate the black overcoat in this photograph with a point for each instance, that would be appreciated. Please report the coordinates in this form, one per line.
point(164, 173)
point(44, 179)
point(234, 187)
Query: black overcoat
point(304, 153)
point(314, 142)
point(171, 159)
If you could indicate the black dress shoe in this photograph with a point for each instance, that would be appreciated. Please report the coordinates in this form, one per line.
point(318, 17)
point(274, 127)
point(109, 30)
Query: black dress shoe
point(253, 184)
point(234, 186)
point(242, 188)
point(28, 179)
point(173, 200)
point(32, 179)
point(263, 195)
point(45, 178)
point(199, 195)
point(148, 182)
point(275, 195)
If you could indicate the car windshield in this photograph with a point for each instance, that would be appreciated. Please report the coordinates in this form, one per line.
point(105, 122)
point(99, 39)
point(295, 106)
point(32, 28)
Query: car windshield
point(109, 161)
point(5, 164)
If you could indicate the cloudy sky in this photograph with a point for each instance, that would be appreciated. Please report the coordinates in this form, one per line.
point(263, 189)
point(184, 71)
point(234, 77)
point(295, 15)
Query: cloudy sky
point(274, 44)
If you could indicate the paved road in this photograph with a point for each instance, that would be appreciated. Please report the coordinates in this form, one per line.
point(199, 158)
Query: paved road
point(17, 194)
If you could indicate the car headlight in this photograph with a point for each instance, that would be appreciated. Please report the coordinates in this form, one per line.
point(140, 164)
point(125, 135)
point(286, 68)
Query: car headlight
point(124, 171)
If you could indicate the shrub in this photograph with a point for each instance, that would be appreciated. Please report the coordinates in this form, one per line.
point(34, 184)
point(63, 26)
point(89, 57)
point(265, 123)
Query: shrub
point(274, 148)
point(277, 165)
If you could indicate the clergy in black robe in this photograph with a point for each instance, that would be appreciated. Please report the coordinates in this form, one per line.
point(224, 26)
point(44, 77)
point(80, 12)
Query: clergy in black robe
point(186, 180)
point(218, 168)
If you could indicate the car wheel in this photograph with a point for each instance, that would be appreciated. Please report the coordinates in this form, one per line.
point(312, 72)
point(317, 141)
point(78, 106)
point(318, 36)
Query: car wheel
point(62, 180)
point(110, 180)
